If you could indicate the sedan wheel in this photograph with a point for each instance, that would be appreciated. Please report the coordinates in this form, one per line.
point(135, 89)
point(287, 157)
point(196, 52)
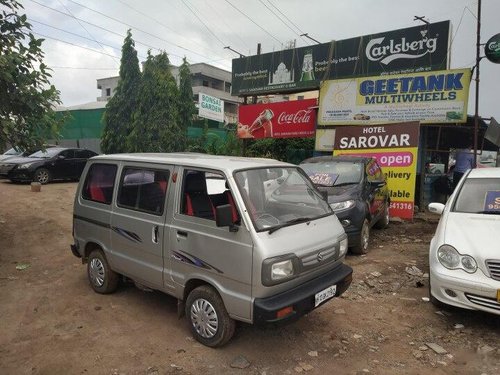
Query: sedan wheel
point(42, 176)
point(362, 246)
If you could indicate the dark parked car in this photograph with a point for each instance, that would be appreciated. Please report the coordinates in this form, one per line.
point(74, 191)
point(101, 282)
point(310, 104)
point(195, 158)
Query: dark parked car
point(54, 163)
point(16, 152)
point(357, 192)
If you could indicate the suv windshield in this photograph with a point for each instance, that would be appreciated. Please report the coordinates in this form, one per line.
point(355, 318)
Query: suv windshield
point(480, 196)
point(277, 197)
point(334, 173)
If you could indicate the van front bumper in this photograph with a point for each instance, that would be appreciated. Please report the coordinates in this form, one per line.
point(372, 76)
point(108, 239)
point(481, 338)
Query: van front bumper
point(301, 298)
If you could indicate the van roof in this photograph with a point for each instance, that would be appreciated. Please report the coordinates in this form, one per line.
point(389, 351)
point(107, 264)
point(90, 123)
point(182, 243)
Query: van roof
point(192, 159)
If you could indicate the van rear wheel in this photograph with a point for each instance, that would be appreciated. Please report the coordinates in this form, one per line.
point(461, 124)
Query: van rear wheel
point(101, 277)
point(208, 319)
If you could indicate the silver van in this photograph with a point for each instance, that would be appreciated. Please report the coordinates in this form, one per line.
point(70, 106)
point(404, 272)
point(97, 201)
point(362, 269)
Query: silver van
point(231, 238)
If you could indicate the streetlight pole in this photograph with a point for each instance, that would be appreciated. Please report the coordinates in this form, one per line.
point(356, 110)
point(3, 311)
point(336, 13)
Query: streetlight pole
point(478, 59)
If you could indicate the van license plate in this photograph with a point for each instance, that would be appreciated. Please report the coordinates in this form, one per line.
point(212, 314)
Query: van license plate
point(325, 294)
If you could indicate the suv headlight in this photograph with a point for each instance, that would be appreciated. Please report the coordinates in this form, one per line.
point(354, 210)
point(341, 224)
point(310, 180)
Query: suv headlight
point(340, 206)
point(278, 269)
point(450, 258)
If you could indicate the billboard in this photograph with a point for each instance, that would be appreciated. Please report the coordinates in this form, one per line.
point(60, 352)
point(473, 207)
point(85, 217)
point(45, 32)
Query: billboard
point(431, 97)
point(395, 146)
point(413, 49)
point(290, 119)
point(210, 107)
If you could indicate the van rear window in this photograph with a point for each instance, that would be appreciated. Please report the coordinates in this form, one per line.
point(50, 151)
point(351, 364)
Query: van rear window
point(143, 190)
point(99, 184)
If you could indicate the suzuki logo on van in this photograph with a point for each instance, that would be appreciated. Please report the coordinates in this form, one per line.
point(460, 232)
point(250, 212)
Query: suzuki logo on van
point(377, 50)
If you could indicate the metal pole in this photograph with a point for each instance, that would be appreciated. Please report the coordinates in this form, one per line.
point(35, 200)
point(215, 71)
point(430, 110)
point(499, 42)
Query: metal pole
point(478, 59)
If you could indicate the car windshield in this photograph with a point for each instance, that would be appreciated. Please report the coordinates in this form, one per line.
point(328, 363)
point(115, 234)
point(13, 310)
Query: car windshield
point(479, 196)
point(47, 154)
point(13, 151)
point(277, 197)
point(334, 173)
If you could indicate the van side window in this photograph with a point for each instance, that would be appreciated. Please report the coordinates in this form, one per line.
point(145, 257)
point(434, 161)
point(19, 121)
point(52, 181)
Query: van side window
point(99, 184)
point(203, 191)
point(143, 190)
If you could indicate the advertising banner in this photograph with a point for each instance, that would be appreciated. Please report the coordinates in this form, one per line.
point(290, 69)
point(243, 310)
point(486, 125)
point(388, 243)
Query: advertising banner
point(210, 107)
point(414, 49)
point(433, 97)
point(290, 119)
point(395, 146)
point(324, 139)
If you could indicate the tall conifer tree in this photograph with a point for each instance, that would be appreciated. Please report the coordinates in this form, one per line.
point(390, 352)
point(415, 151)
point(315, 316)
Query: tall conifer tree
point(117, 118)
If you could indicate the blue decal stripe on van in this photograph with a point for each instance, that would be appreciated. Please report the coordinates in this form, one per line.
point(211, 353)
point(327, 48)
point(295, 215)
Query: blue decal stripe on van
point(131, 236)
point(190, 259)
point(99, 223)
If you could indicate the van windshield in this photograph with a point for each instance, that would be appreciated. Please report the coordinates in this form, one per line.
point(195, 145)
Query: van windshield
point(277, 197)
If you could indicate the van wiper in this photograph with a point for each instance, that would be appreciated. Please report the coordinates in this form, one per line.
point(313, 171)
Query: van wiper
point(297, 220)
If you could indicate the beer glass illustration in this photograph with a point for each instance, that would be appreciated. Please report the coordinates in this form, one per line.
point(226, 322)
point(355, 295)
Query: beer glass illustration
point(307, 67)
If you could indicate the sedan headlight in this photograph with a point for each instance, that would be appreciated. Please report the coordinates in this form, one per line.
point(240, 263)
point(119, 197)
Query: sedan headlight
point(24, 166)
point(450, 258)
point(340, 206)
point(278, 269)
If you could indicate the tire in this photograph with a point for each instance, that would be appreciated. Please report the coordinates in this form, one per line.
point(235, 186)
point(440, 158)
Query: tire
point(202, 304)
point(101, 277)
point(42, 176)
point(383, 222)
point(364, 238)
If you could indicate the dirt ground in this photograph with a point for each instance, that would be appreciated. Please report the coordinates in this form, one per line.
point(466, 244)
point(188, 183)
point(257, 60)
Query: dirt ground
point(51, 322)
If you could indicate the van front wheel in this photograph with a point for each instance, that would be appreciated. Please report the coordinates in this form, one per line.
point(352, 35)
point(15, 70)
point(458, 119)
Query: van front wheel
point(102, 278)
point(208, 319)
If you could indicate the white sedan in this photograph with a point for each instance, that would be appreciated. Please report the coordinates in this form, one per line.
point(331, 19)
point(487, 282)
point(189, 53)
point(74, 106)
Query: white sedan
point(464, 256)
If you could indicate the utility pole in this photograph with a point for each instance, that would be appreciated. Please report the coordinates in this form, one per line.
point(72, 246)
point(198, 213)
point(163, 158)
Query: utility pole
point(478, 59)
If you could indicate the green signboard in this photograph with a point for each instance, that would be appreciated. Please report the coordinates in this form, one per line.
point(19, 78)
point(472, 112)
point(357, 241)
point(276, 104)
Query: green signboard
point(414, 49)
point(492, 49)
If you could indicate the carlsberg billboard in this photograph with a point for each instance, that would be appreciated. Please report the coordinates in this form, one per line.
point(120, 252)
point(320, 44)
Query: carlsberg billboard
point(414, 49)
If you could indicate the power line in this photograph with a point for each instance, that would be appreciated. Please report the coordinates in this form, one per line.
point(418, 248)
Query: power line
point(79, 68)
point(83, 27)
point(204, 24)
point(160, 23)
point(255, 23)
point(278, 17)
point(136, 28)
point(284, 15)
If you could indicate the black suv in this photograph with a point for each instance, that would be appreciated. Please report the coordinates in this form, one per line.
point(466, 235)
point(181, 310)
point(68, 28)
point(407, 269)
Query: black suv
point(357, 192)
point(55, 163)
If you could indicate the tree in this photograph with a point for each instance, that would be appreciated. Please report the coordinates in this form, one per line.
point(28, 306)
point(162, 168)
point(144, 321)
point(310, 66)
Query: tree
point(187, 108)
point(117, 118)
point(156, 126)
point(293, 150)
point(27, 98)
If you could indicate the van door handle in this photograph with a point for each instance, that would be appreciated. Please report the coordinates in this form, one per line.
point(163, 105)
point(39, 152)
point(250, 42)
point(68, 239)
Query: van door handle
point(181, 234)
point(155, 234)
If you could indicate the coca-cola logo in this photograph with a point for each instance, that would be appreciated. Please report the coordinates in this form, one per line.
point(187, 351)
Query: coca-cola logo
point(377, 50)
point(302, 116)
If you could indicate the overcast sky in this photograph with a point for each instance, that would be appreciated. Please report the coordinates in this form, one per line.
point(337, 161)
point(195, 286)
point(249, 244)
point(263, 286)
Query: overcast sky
point(200, 29)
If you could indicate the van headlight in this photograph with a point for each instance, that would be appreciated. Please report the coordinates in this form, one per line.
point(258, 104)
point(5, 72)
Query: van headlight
point(343, 247)
point(450, 258)
point(341, 206)
point(278, 269)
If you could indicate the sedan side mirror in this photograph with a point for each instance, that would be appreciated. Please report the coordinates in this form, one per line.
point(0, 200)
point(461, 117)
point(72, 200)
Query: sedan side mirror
point(61, 157)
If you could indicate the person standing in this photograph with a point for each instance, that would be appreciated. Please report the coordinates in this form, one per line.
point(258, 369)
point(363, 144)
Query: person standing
point(464, 160)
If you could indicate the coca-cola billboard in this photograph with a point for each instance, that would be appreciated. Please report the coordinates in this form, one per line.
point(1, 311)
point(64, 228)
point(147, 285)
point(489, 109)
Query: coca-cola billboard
point(293, 119)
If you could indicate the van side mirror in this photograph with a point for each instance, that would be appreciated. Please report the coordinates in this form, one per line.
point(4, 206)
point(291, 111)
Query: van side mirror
point(224, 217)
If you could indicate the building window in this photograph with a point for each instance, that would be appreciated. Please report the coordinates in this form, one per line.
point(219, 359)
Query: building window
point(108, 92)
point(227, 87)
point(300, 97)
point(205, 83)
